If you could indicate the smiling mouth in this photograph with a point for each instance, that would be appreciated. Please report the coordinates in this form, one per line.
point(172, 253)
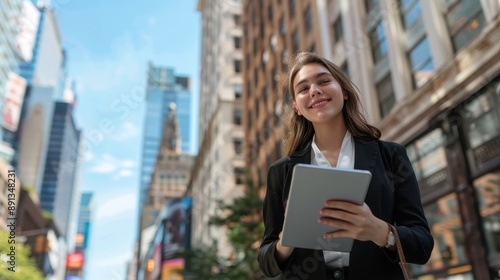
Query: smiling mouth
point(319, 104)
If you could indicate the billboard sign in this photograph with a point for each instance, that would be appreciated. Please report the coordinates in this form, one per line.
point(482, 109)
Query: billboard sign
point(177, 227)
point(75, 261)
point(13, 102)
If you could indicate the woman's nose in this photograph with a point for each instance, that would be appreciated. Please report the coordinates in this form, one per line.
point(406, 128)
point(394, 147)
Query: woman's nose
point(314, 89)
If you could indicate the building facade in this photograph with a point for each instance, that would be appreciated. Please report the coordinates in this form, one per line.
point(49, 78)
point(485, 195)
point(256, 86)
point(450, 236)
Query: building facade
point(171, 171)
point(163, 88)
point(219, 167)
point(427, 73)
point(59, 194)
point(11, 90)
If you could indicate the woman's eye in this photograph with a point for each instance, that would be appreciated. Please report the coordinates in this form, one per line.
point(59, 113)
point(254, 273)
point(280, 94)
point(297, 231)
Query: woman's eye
point(302, 89)
point(324, 82)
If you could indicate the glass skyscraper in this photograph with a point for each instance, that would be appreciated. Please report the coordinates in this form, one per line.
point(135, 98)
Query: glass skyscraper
point(163, 88)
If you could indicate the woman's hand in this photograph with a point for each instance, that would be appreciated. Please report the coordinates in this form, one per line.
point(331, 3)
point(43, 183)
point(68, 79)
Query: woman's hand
point(353, 221)
point(283, 252)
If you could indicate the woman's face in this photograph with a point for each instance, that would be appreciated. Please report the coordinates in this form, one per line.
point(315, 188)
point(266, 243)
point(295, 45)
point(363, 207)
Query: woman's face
point(318, 96)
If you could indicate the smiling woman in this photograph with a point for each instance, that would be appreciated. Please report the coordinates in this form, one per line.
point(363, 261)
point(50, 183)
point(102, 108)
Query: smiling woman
point(325, 127)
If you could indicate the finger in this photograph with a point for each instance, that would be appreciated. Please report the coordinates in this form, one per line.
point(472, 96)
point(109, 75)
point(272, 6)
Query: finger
point(338, 214)
point(344, 205)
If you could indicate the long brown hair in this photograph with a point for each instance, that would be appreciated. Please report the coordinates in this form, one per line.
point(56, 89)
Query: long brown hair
point(298, 130)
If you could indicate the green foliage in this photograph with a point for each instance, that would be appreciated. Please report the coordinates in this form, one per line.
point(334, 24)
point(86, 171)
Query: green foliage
point(47, 215)
point(24, 267)
point(242, 219)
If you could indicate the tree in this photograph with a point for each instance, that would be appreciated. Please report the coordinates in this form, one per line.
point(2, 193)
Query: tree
point(16, 264)
point(243, 220)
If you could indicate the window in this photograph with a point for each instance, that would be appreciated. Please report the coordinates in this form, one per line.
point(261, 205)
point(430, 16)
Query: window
point(345, 68)
point(488, 192)
point(338, 29)
point(237, 91)
point(371, 5)
point(411, 12)
point(239, 174)
point(237, 117)
point(238, 145)
point(386, 97)
point(237, 20)
point(295, 41)
point(284, 60)
point(237, 42)
point(378, 43)
point(465, 20)
point(308, 18)
point(237, 66)
point(292, 6)
point(270, 12)
point(421, 64)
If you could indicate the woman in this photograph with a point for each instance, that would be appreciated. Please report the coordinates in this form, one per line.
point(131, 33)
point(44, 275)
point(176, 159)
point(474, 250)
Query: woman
point(325, 127)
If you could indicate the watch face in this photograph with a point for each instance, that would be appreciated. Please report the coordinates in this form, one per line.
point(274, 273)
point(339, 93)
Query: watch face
point(391, 240)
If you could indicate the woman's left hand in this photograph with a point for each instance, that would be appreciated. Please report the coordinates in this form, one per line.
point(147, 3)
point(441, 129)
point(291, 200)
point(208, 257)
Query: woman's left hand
point(353, 221)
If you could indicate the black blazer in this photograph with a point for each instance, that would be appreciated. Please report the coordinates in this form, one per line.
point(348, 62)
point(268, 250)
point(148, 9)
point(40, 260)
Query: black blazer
point(393, 196)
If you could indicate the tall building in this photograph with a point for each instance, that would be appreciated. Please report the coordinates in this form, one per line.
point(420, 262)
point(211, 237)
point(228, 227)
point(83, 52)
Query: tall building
point(171, 171)
point(85, 214)
point(59, 192)
point(219, 167)
point(163, 88)
point(43, 71)
point(11, 85)
point(428, 77)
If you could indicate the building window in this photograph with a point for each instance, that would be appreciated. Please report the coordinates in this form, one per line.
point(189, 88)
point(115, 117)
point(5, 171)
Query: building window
point(422, 67)
point(270, 12)
point(345, 69)
point(488, 192)
point(282, 26)
point(465, 20)
point(239, 174)
point(237, 117)
point(237, 91)
point(371, 5)
point(295, 41)
point(237, 42)
point(237, 20)
point(284, 60)
point(312, 48)
point(338, 29)
point(386, 97)
point(308, 18)
point(237, 66)
point(378, 42)
point(449, 250)
point(410, 12)
point(238, 145)
point(292, 5)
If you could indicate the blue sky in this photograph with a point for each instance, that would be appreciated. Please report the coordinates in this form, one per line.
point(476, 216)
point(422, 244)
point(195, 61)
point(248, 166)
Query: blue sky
point(108, 45)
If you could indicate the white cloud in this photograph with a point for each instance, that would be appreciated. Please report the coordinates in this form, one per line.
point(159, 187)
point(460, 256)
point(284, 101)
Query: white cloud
point(127, 131)
point(117, 206)
point(108, 164)
point(103, 167)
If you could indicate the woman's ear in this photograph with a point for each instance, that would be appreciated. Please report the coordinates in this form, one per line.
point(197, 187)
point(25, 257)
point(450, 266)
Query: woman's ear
point(296, 108)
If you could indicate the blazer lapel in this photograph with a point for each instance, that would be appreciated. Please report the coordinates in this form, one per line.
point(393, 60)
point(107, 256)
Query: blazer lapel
point(365, 154)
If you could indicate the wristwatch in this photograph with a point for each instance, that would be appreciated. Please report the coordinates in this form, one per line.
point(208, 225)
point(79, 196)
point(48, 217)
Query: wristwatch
point(391, 240)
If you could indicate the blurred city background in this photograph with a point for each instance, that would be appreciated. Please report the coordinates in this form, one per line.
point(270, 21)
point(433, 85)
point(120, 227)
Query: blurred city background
point(135, 137)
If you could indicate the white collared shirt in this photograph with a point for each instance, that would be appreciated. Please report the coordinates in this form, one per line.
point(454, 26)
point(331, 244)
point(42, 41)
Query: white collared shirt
point(345, 161)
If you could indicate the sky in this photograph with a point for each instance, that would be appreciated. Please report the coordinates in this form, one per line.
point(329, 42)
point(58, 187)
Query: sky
point(108, 46)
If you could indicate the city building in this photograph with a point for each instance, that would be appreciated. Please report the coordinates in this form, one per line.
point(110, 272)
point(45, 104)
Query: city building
point(427, 73)
point(59, 194)
point(44, 71)
point(82, 236)
point(218, 173)
point(163, 88)
point(33, 229)
point(169, 179)
point(11, 85)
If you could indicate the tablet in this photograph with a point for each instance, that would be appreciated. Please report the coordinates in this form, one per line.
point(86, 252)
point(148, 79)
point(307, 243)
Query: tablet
point(310, 187)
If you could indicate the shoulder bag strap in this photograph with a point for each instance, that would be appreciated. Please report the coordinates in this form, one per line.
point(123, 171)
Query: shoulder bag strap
point(399, 248)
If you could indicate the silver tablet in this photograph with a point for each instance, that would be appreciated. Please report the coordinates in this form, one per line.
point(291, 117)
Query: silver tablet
point(311, 186)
